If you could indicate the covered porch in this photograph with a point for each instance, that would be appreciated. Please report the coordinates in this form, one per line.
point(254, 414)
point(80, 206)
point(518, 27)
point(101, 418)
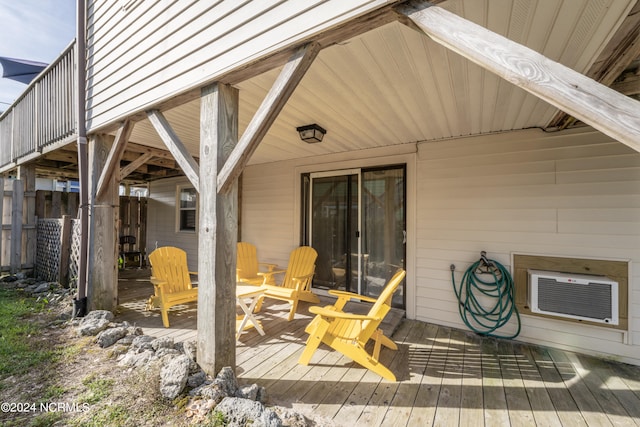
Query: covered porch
point(445, 376)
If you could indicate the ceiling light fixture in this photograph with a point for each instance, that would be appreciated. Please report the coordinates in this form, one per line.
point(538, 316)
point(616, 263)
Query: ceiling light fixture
point(311, 133)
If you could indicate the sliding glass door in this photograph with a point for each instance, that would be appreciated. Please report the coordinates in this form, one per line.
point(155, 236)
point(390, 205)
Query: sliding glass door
point(355, 219)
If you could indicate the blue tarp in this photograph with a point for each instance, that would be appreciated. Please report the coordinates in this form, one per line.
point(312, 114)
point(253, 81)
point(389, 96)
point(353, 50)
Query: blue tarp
point(21, 70)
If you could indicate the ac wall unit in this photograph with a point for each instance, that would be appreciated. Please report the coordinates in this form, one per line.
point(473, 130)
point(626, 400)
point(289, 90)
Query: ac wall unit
point(575, 296)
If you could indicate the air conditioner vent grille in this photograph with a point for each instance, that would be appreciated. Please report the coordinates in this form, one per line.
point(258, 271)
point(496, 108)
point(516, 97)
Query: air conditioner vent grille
point(575, 296)
point(592, 300)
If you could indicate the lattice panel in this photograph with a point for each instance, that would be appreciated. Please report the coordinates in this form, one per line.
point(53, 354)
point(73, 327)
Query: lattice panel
point(49, 249)
point(74, 253)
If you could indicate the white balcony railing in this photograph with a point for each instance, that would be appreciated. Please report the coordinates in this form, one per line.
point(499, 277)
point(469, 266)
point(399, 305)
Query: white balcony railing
point(44, 114)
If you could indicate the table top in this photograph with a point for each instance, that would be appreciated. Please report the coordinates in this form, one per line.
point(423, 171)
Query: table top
point(245, 291)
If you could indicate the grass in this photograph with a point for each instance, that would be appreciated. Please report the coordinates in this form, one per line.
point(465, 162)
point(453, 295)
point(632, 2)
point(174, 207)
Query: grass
point(97, 389)
point(17, 353)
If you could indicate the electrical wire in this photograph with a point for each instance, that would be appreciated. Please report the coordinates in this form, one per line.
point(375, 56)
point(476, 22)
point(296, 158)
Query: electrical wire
point(489, 281)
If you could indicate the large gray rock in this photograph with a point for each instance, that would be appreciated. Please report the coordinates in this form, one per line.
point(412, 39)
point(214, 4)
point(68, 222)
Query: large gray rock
point(226, 380)
point(244, 412)
point(90, 327)
point(173, 376)
point(190, 348)
point(108, 337)
point(164, 342)
point(136, 359)
point(142, 343)
point(98, 314)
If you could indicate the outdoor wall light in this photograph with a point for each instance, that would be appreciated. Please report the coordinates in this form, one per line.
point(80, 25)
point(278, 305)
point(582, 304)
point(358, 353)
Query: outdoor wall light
point(311, 133)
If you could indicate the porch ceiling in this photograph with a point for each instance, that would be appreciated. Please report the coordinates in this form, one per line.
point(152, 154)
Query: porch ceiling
point(394, 85)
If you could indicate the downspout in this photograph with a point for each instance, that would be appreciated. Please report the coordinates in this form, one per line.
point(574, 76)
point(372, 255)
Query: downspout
point(80, 303)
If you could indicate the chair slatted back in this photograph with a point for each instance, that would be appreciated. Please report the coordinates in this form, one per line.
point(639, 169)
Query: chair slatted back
point(247, 261)
point(302, 262)
point(382, 305)
point(169, 264)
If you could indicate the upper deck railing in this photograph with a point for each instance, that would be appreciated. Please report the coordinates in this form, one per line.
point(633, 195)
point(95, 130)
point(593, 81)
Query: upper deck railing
point(45, 113)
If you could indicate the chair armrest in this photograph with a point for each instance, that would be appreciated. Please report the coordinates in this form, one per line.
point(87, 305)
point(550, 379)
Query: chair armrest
point(270, 267)
point(327, 312)
point(157, 283)
point(351, 295)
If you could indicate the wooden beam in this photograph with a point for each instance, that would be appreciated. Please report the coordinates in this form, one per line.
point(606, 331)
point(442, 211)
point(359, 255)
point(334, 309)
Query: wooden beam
point(217, 231)
point(599, 106)
point(115, 155)
point(620, 52)
point(267, 113)
point(176, 147)
point(125, 171)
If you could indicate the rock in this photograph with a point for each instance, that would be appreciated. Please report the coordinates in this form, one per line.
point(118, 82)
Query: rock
point(173, 376)
point(248, 392)
point(8, 279)
point(243, 412)
point(226, 379)
point(108, 337)
point(197, 379)
point(91, 327)
point(98, 314)
point(142, 343)
point(159, 343)
point(42, 287)
point(127, 340)
point(190, 348)
point(291, 418)
point(134, 330)
point(136, 359)
point(166, 352)
point(209, 391)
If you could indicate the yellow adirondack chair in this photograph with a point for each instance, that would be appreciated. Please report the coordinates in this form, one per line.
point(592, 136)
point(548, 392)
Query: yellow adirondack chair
point(349, 333)
point(296, 284)
point(171, 280)
point(248, 267)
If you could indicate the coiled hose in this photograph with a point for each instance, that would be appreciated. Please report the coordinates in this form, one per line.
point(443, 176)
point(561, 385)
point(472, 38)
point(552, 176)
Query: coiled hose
point(489, 281)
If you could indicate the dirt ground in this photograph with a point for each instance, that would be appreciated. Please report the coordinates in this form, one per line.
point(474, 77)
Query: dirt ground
point(84, 386)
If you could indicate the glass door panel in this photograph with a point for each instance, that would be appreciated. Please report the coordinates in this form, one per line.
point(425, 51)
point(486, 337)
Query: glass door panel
point(383, 229)
point(334, 228)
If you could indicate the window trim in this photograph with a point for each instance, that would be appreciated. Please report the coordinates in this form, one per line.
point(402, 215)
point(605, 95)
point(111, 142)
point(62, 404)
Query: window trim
point(179, 210)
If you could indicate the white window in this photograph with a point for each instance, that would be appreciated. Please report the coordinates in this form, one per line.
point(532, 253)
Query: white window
point(187, 204)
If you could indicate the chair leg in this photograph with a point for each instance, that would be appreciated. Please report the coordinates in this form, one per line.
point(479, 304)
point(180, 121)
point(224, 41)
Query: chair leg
point(313, 342)
point(165, 317)
point(294, 307)
point(361, 357)
point(258, 305)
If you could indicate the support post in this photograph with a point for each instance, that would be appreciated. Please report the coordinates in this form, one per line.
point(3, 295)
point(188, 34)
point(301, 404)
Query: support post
point(16, 226)
point(217, 231)
point(27, 174)
point(103, 232)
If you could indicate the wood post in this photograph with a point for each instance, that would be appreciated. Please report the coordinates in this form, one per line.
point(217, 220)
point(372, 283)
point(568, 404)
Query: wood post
point(217, 231)
point(65, 250)
point(103, 233)
point(15, 256)
point(27, 174)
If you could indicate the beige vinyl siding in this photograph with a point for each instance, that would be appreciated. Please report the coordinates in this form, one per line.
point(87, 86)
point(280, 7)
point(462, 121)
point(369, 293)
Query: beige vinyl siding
point(161, 213)
point(573, 194)
point(155, 50)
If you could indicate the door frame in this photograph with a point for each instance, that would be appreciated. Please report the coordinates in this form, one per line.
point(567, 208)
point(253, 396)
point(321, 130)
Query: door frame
point(405, 153)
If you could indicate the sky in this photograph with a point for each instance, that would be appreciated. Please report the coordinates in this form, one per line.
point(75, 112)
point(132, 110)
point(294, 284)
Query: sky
point(37, 30)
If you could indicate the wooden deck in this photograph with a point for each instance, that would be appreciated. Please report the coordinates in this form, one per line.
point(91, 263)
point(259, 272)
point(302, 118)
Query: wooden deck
point(447, 377)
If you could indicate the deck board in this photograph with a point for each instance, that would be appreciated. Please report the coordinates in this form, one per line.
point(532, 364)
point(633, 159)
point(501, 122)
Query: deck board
point(445, 376)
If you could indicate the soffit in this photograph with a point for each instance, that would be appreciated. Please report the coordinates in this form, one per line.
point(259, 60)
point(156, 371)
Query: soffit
point(394, 85)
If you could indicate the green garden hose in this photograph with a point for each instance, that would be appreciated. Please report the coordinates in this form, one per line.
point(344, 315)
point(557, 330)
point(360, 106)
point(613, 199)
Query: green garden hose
point(486, 297)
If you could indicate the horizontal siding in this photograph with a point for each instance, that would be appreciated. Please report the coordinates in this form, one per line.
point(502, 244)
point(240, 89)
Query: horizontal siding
point(575, 194)
point(170, 47)
point(161, 229)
